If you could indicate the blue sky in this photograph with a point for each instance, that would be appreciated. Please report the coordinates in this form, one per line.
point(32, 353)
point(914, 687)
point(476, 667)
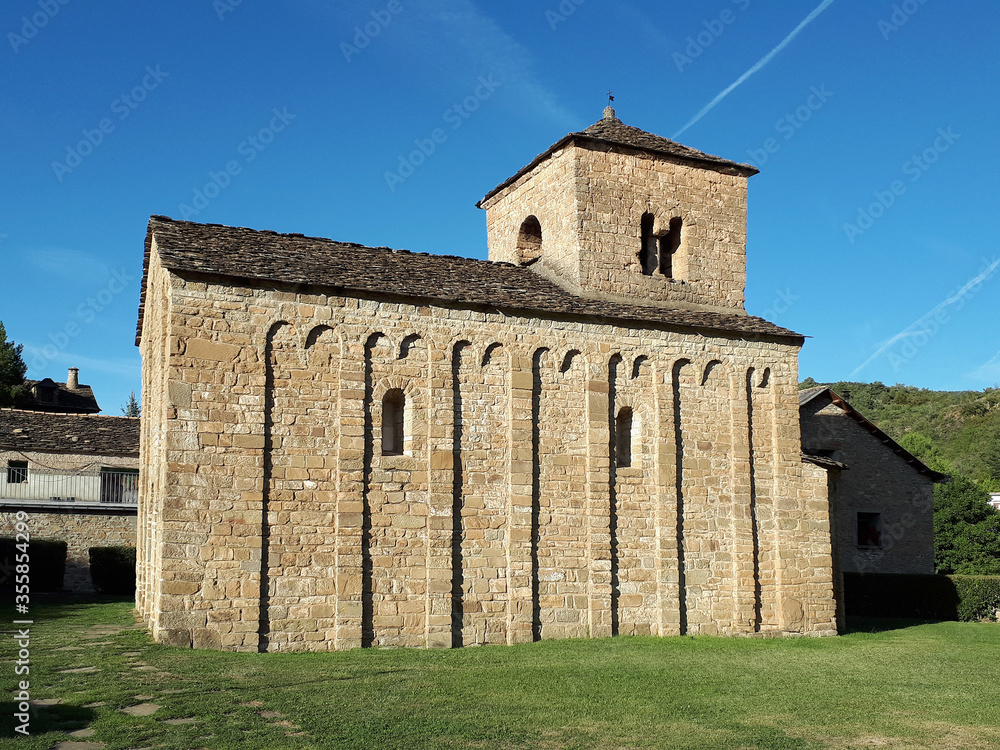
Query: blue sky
point(875, 128)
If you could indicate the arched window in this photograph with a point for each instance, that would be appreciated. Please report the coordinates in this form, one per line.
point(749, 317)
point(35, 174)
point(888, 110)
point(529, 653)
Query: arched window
point(623, 438)
point(647, 253)
point(393, 410)
point(669, 245)
point(529, 241)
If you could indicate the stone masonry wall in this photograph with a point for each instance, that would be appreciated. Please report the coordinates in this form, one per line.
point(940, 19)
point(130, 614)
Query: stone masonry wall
point(590, 201)
point(272, 521)
point(80, 529)
point(876, 481)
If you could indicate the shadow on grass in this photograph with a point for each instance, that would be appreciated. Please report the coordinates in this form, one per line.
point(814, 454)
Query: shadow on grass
point(61, 718)
point(882, 624)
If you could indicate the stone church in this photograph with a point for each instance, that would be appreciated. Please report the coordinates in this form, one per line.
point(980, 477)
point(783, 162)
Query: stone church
point(584, 436)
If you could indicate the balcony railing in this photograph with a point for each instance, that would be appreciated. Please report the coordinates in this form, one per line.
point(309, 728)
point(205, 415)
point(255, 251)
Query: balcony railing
point(104, 486)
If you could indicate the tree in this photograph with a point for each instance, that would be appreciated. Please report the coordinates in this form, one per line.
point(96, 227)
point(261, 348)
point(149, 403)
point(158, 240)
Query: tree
point(12, 369)
point(966, 529)
point(132, 408)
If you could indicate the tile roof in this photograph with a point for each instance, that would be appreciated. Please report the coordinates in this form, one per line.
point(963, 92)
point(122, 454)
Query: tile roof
point(64, 399)
point(22, 430)
point(810, 394)
point(255, 256)
point(612, 131)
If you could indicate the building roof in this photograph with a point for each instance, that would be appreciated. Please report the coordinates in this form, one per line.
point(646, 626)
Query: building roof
point(809, 395)
point(46, 432)
point(611, 131)
point(63, 398)
point(258, 256)
point(826, 463)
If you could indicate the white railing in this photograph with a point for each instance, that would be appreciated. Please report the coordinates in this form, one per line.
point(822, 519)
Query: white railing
point(104, 486)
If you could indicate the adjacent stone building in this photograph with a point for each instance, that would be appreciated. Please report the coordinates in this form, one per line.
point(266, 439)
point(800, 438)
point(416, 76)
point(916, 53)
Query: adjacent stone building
point(584, 436)
point(77, 478)
point(882, 504)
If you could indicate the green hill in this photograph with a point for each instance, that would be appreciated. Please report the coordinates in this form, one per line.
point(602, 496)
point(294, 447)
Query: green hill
point(957, 432)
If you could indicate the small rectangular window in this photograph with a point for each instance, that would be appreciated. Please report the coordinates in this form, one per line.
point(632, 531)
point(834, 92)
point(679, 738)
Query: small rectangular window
point(869, 529)
point(17, 472)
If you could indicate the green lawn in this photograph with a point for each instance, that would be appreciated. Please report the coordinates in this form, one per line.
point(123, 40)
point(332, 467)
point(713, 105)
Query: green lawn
point(921, 686)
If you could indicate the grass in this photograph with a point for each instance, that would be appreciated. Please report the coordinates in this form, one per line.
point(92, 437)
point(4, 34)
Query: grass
point(902, 686)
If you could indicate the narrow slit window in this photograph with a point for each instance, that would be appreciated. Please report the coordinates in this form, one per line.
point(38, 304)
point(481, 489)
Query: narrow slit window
point(623, 438)
point(670, 243)
point(393, 410)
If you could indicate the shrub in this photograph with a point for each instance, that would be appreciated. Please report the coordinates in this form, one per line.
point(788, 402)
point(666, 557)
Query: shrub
point(112, 569)
point(47, 563)
point(978, 597)
point(926, 597)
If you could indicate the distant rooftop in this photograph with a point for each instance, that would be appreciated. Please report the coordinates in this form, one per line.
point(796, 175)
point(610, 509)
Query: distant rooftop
point(23, 430)
point(70, 397)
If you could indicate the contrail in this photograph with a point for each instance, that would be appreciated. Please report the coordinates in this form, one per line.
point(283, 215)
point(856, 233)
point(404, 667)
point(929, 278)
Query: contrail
point(913, 328)
point(757, 66)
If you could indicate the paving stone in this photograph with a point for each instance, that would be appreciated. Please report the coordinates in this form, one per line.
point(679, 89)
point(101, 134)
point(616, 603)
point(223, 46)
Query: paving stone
point(142, 709)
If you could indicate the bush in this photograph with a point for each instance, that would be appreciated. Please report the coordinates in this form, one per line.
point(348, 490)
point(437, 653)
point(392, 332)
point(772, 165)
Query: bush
point(978, 597)
point(47, 563)
point(924, 597)
point(112, 569)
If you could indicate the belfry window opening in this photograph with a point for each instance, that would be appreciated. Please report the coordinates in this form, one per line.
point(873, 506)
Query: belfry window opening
point(529, 241)
point(647, 253)
point(670, 243)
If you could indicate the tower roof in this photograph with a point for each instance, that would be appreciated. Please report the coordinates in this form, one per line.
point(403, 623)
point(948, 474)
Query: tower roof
point(611, 131)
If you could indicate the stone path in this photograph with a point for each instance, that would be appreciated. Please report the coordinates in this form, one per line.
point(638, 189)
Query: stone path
point(146, 705)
